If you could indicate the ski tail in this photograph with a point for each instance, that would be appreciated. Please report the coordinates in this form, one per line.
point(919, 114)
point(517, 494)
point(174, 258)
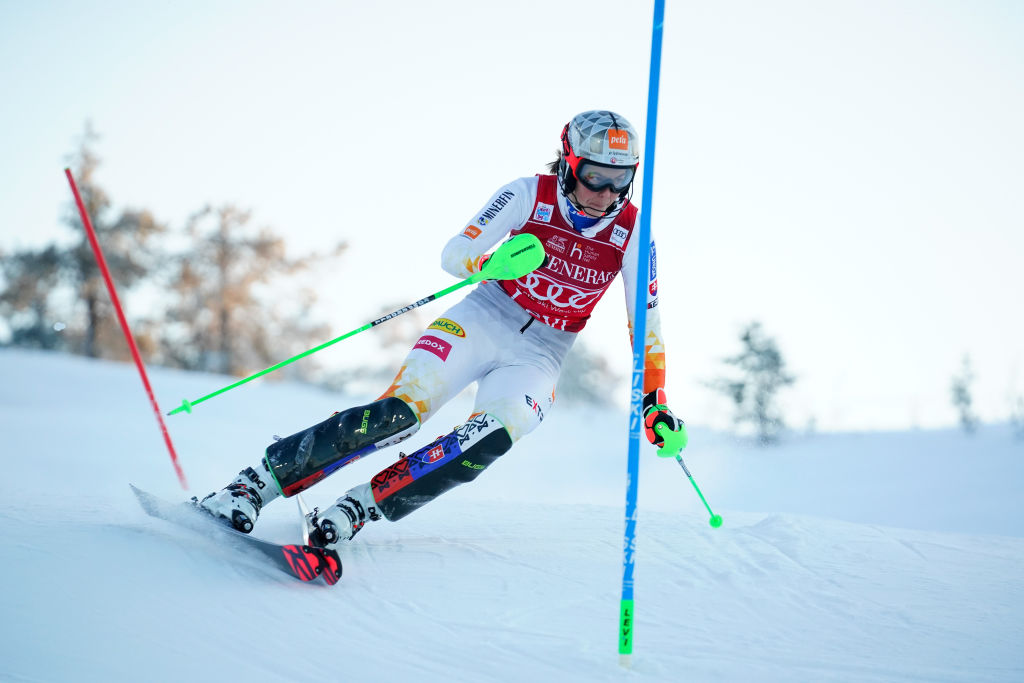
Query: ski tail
point(330, 565)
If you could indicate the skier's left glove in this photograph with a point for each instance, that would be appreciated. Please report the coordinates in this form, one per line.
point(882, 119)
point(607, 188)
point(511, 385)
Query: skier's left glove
point(655, 413)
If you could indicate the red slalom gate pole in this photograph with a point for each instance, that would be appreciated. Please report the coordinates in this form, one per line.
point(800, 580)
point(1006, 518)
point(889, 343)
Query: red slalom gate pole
point(91, 234)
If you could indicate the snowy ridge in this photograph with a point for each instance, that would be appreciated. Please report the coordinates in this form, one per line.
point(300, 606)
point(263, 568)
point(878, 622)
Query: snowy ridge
point(513, 578)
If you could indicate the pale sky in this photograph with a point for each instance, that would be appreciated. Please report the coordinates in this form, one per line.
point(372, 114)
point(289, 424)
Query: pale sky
point(851, 174)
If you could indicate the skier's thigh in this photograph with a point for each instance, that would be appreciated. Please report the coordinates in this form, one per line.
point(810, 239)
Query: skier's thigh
point(519, 396)
point(444, 360)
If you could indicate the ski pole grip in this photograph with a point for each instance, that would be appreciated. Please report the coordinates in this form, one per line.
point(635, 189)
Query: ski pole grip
point(522, 254)
point(675, 441)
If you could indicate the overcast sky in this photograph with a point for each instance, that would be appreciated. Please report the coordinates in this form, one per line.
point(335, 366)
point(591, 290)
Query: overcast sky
point(849, 173)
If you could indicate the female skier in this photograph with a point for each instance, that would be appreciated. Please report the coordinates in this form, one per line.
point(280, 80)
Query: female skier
point(509, 336)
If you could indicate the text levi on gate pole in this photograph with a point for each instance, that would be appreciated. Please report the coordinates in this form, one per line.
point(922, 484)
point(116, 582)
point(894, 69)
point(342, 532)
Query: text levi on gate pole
point(102, 262)
point(627, 616)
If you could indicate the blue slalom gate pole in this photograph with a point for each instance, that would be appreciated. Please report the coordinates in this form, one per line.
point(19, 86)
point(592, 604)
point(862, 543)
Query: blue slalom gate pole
point(627, 616)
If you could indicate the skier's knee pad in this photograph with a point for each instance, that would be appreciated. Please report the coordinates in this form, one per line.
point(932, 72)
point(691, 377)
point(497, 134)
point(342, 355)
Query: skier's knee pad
point(301, 460)
point(453, 459)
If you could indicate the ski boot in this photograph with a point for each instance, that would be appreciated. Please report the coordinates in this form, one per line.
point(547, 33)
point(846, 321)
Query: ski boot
point(344, 519)
point(240, 501)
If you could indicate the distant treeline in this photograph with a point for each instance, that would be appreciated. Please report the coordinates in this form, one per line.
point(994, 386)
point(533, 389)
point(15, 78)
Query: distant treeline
point(212, 295)
point(205, 296)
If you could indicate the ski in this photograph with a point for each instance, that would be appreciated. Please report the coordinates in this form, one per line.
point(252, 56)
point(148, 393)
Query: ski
point(304, 562)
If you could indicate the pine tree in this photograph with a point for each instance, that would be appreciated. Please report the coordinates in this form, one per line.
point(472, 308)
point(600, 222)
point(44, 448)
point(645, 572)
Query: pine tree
point(1017, 417)
point(39, 283)
point(30, 278)
point(128, 247)
point(225, 310)
point(960, 391)
point(762, 373)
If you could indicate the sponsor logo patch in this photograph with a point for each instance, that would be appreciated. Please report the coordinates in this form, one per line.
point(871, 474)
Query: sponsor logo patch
point(580, 274)
point(558, 244)
point(619, 235)
point(438, 347)
point(536, 408)
point(472, 232)
point(497, 205)
point(449, 326)
point(543, 212)
point(618, 139)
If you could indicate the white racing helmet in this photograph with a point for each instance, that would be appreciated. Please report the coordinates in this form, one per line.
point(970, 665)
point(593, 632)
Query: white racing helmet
point(600, 149)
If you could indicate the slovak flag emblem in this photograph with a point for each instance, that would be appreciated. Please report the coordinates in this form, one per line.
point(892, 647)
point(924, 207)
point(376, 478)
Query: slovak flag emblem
point(434, 454)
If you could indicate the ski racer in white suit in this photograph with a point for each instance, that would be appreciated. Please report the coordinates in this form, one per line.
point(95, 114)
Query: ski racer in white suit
point(509, 336)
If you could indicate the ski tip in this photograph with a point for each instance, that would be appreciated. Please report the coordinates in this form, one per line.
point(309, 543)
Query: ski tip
point(146, 500)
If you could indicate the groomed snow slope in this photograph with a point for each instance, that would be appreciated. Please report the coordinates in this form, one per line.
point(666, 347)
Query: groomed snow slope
point(870, 557)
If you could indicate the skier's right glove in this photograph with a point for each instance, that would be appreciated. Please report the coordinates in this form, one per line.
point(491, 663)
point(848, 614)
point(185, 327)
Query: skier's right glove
point(655, 413)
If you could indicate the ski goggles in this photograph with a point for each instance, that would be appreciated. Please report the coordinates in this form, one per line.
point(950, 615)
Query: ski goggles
point(598, 177)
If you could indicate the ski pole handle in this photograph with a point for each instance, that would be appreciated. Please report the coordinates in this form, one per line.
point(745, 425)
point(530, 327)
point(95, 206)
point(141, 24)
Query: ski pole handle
point(673, 441)
point(522, 254)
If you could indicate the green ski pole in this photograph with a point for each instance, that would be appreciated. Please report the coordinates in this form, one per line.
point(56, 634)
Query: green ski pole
point(515, 258)
point(675, 442)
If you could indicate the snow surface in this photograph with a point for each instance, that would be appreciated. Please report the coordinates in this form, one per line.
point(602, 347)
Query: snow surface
point(843, 557)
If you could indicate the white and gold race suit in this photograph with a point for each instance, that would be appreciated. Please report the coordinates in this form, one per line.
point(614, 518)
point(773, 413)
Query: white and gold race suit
point(512, 336)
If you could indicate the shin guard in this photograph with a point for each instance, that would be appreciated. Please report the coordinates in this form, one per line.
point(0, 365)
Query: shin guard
point(453, 459)
point(301, 460)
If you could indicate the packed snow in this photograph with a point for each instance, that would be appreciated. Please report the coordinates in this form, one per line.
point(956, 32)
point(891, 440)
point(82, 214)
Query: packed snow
point(843, 557)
